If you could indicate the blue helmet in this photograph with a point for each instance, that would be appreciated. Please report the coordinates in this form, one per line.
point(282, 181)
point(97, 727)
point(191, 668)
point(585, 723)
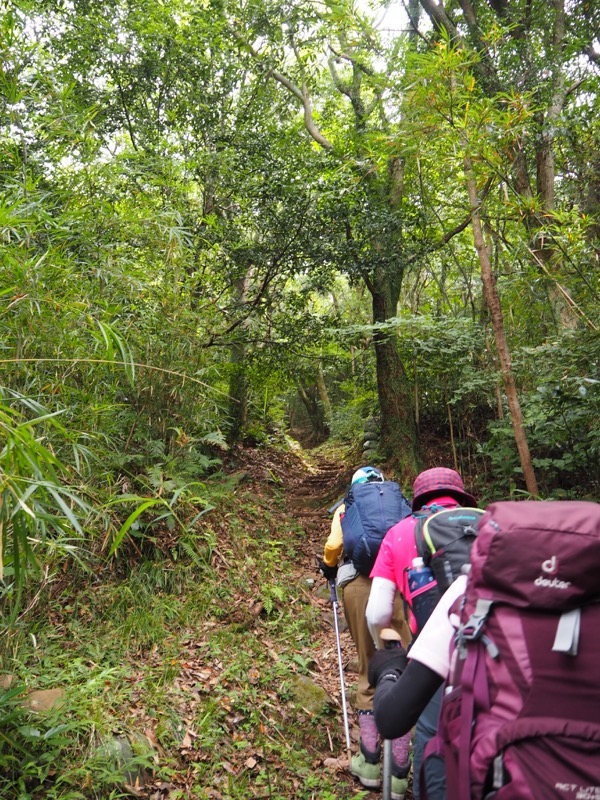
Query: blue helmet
point(367, 474)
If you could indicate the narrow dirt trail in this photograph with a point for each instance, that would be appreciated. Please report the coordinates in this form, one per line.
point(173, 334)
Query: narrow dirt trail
point(309, 496)
point(310, 483)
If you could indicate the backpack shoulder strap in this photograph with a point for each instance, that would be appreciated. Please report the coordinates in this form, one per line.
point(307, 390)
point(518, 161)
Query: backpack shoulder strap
point(421, 516)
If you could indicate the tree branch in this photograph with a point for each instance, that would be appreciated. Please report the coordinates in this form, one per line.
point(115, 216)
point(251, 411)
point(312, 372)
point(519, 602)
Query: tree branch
point(126, 112)
point(413, 19)
point(439, 19)
point(340, 85)
point(451, 233)
point(300, 93)
point(355, 63)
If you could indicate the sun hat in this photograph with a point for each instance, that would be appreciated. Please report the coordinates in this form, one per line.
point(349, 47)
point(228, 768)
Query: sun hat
point(439, 481)
point(367, 474)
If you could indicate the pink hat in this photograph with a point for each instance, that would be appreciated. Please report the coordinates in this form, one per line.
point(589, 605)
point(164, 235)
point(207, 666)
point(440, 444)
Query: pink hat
point(436, 482)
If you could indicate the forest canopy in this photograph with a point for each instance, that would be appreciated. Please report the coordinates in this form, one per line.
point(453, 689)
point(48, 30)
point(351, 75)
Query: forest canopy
point(226, 223)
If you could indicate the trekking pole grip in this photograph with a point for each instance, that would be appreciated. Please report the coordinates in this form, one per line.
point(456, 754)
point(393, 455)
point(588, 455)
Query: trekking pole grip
point(333, 591)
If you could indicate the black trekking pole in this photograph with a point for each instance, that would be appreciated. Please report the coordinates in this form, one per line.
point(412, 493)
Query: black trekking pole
point(334, 603)
point(386, 773)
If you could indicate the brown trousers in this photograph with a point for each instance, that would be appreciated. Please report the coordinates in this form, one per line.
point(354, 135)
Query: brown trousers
point(355, 596)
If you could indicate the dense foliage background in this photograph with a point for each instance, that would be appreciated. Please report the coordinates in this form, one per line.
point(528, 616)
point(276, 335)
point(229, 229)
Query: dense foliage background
point(223, 224)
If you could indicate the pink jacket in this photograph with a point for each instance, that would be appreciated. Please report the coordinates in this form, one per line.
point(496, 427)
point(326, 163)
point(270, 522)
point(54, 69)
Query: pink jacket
point(398, 550)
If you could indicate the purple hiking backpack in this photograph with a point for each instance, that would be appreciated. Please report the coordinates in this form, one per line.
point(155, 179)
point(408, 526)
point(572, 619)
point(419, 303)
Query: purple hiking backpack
point(520, 719)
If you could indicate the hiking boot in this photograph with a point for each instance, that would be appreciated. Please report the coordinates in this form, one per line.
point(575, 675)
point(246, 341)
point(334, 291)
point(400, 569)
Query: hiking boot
point(365, 766)
point(368, 774)
point(400, 773)
point(399, 787)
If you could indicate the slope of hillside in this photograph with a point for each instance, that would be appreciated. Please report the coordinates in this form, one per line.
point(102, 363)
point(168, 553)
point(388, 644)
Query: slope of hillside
point(197, 667)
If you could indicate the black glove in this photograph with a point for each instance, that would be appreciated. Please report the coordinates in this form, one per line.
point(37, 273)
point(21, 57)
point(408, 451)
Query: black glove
point(329, 573)
point(384, 662)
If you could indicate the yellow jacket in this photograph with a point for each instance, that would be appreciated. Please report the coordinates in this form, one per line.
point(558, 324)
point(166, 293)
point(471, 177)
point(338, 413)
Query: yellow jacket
point(335, 542)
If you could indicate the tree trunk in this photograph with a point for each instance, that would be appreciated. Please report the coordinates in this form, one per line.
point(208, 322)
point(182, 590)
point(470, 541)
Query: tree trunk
point(238, 392)
point(398, 429)
point(238, 386)
point(543, 248)
point(398, 434)
point(492, 300)
point(314, 410)
point(323, 396)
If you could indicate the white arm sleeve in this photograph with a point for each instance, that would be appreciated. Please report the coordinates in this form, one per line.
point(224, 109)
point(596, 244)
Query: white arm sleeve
point(432, 647)
point(380, 608)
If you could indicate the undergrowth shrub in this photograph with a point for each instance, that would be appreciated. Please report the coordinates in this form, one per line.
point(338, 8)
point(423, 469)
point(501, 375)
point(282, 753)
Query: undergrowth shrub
point(560, 399)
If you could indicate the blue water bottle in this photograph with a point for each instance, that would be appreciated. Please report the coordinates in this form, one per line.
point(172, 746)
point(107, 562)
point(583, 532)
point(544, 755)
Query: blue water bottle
point(424, 593)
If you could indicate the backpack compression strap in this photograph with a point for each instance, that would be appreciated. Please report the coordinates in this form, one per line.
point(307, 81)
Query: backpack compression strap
point(475, 689)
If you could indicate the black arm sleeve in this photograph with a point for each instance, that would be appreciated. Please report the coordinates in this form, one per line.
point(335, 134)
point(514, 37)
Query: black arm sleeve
point(399, 704)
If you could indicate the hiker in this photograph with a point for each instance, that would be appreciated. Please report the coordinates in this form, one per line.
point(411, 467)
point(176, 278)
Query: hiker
point(370, 508)
point(508, 639)
point(406, 683)
point(441, 488)
point(398, 704)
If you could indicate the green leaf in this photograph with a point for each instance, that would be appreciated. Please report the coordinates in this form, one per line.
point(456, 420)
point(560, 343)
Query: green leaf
point(122, 532)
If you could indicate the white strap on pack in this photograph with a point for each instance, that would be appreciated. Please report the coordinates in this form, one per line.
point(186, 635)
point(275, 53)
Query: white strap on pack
point(567, 633)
